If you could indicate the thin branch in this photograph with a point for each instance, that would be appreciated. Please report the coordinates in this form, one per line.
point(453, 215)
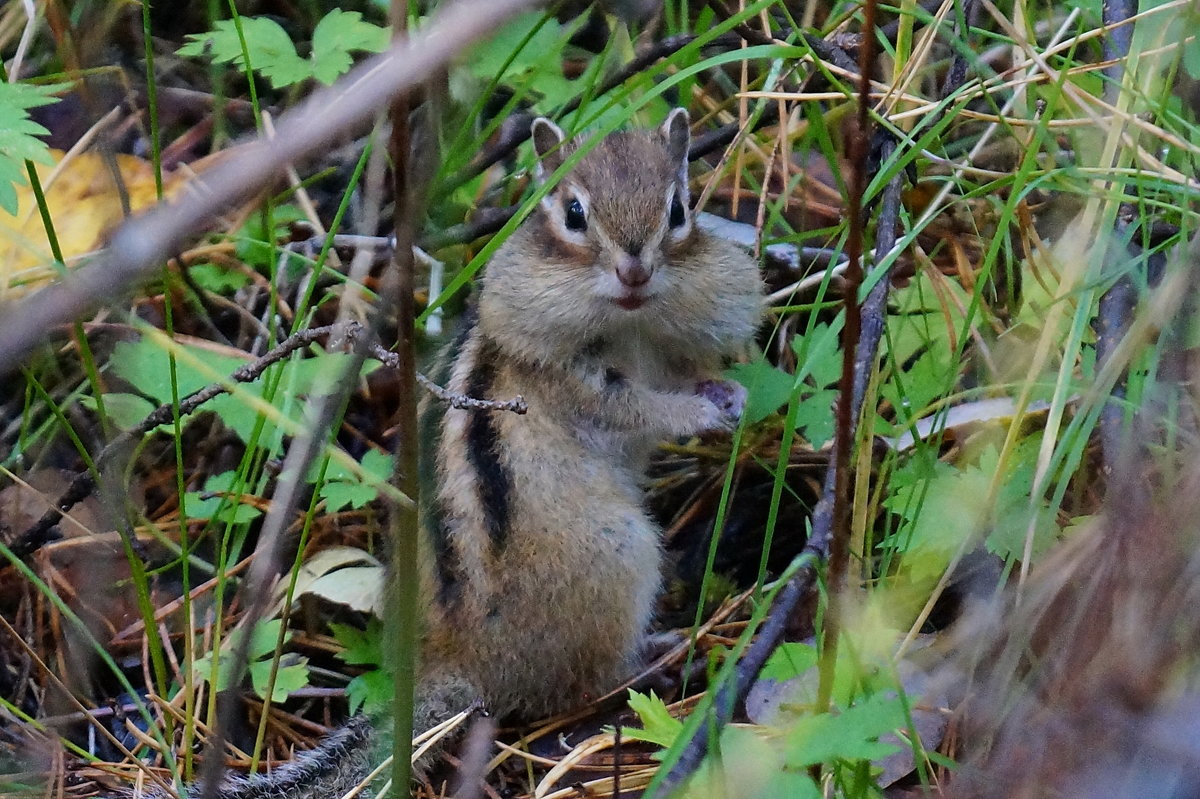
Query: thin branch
point(40, 533)
point(462, 401)
point(82, 485)
point(485, 222)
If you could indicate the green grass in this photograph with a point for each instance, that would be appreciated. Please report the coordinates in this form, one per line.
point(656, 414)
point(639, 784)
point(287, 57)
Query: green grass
point(1033, 179)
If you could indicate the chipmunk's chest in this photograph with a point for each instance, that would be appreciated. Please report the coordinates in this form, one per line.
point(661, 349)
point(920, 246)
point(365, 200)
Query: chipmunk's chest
point(629, 355)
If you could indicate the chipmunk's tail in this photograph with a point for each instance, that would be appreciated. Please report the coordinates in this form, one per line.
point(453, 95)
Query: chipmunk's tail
point(338, 764)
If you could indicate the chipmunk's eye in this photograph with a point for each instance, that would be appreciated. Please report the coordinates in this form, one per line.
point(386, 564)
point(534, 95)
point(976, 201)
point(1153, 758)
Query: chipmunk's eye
point(677, 217)
point(576, 219)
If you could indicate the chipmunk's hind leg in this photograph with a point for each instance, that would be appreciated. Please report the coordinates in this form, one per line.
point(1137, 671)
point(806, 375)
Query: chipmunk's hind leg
point(440, 697)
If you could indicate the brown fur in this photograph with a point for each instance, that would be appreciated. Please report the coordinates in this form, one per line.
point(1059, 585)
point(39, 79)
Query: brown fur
point(554, 611)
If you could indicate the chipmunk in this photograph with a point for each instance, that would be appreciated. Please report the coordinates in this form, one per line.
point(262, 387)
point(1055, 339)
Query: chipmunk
point(611, 313)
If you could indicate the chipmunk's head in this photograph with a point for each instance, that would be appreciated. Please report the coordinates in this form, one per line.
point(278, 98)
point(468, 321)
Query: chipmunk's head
point(619, 217)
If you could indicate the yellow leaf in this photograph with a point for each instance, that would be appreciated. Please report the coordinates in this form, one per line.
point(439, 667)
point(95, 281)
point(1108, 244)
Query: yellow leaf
point(85, 207)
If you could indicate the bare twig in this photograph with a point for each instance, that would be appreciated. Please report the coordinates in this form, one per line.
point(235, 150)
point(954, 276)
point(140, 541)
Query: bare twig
point(83, 483)
point(462, 401)
point(140, 245)
point(485, 222)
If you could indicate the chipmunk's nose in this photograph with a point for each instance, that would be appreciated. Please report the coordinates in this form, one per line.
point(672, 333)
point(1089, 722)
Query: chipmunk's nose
point(632, 271)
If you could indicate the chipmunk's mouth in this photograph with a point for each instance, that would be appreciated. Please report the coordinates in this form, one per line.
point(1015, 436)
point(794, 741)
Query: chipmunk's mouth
point(630, 302)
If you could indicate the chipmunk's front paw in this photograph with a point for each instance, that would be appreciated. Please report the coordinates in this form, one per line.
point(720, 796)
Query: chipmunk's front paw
point(728, 397)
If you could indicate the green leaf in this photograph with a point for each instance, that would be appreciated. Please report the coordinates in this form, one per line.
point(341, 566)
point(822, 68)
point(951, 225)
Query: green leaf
point(223, 508)
point(658, 725)
point(360, 647)
point(849, 735)
point(127, 410)
point(292, 675)
point(293, 669)
point(537, 64)
point(257, 247)
point(218, 279)
point(337, 35)
point(371, 691)
point(1011, 522)
point(272, 53)
point(789, 660)
point(942, 507)
point(767, 388)
point(263, 638)
point(819, 354)
point(203, 668)
point(338, 495)
point(752, 767)
point(815, 417)
point(344, 488)
point(144, 364)
point(18, 132)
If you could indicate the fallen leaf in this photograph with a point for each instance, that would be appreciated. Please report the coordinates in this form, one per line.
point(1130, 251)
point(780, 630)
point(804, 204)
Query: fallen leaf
point(85, 206)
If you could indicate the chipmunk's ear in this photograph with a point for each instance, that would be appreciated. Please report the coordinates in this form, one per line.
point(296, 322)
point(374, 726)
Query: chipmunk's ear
point(547, 141)
point(678, 135)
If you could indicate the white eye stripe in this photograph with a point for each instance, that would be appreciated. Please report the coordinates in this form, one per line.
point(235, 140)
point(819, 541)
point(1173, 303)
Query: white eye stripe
point(557, 205)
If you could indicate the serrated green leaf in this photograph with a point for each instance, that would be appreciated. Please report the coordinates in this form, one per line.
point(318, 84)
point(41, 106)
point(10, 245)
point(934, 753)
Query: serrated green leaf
point(290, 676)
point(343, 488)
point(338, 495)
point(272, 53)
point(218, 279)
point(658, 725)
point(360, 647)
point(767, 388)
point(293, 669)
point(222, 508)
point(263, 638)
point(145, 365)
point(338, 34)
point(536, 64)
point(18, 136)
point(1014, 512)
point(851, 734)
point(819, 354)
point(371, 691)
point(815, 417)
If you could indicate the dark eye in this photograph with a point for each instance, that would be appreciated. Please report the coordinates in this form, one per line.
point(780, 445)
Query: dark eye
point(576, 220)
point(677, 217)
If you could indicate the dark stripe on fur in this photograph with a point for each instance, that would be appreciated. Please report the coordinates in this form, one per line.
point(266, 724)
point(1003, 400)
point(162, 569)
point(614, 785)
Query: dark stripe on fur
point(340, 762)
point(449, 570)
point(484, 449)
